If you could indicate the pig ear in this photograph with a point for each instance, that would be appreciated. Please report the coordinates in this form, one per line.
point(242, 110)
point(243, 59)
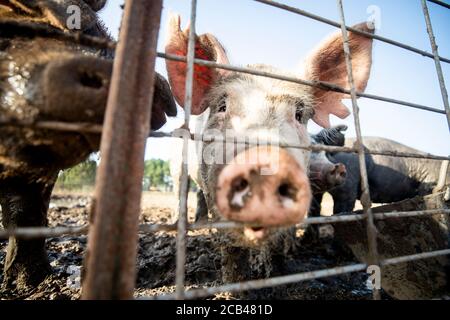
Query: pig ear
point(207, 47)
point(327, 63)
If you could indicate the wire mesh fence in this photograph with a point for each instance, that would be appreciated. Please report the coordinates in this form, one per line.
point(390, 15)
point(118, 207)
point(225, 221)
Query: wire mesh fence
point(12, 28)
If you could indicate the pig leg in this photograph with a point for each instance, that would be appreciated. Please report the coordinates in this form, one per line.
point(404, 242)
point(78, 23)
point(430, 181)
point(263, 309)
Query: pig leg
point(201, 214)
point(344, 202)
point(314, 210)
point(25, 204)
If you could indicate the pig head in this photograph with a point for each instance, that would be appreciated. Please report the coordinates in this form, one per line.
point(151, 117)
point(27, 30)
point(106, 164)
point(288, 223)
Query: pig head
point(324, 174)
point(44, 79)
point(271, 191)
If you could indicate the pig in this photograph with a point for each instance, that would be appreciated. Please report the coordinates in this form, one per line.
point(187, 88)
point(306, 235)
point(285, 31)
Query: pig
point(391, 179)
point(44, 79)
point(271, 192)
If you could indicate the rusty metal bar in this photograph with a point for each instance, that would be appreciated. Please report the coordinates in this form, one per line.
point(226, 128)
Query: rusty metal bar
point(44, 232)
point(93, 128)
point(276, 281)
point(14, 28)
point(265, 283)
point(184, 178)
point(319, 84)
point(81, 127)
point(111, 258)
point(338, 25)
point(365, 192)
point(418, 256)
point(437, 62)
point(107, 44)
point(440, 3)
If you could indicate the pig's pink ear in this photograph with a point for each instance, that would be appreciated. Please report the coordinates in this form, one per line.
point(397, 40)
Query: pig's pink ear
point(207, 47)
point(327, 63)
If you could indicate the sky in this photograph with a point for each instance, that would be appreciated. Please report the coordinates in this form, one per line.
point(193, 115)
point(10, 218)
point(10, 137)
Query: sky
point(253, 33)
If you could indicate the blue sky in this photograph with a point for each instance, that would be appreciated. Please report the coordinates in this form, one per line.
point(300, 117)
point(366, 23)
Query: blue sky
point(256, 33)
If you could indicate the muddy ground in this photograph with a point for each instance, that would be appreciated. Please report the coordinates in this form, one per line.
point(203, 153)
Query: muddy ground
point(156, 258)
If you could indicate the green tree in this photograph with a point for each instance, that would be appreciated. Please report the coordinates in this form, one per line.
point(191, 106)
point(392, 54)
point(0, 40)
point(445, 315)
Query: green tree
point(79, 176)
point(157, 172)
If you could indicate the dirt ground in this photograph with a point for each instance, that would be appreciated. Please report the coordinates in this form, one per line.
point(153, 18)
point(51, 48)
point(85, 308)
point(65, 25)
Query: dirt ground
point(156, 257)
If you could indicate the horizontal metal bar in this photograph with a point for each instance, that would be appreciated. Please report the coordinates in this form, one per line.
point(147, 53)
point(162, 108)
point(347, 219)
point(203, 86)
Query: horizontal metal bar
point(13, 28)
point(338, 25)
point(276, 281)
point(94, 128)
point(440, 3)
point(413, 257)
point(405, 214)
point(82, 127)
point(319, 84)
point(263, 283)
point(42, 232)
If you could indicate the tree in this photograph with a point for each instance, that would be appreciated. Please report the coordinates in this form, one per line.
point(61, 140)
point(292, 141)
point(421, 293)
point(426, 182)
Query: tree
point(157, 172)
point(79, 176)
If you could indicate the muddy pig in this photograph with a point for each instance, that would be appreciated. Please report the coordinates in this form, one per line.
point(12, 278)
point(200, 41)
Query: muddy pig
point(266, 188)
point(325, 175)
point(391, 179)
point(44, 79)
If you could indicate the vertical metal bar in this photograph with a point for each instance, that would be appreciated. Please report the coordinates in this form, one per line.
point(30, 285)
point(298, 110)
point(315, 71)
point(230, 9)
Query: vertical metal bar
point(365, 192)
point(111, 257)
point(442, 176)
point(184, 178)
point(437, 62)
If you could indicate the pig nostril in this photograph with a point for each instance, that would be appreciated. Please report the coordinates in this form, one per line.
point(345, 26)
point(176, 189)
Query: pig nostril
point(285, 190)
point(239, 184)
point(91, 80)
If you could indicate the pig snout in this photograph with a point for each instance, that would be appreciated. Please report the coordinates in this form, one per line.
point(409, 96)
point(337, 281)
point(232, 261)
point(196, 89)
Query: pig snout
point(76, 89)
point(336, 175)
point(265, 187)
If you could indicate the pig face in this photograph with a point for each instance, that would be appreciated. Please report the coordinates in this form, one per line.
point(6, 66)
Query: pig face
point(44, 79)
point(262, 108)
point(324, 174)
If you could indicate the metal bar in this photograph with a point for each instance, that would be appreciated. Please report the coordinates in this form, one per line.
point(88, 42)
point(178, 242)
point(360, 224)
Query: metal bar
point(442, 176)
point(320, 84)
point(44, 232)
point(184, 178)
point(265, 283)
point(441, 3)
point(413, 257)
point(111, 259)
point(373, 257)
point(338, 25)
point(434, 48)
point(93, 128)
point(81, 127)
point(270, 282)
point(14, 28)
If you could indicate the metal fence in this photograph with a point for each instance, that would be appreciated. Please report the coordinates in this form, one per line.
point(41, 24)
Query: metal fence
point(117, 208)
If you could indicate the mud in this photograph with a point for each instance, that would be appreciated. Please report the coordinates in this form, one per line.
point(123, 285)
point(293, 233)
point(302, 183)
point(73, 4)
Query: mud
point(156, 260)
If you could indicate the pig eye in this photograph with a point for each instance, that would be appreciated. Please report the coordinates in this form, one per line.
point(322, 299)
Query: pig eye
point(222, 105)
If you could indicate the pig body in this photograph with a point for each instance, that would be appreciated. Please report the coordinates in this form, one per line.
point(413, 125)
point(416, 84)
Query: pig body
point(265, 188)
point(44, 79)
point(391, 179)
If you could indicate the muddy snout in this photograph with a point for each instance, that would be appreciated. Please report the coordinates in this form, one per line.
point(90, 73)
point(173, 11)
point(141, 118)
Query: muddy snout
point(336, 175)
point(76, 89)
point(263, 186)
